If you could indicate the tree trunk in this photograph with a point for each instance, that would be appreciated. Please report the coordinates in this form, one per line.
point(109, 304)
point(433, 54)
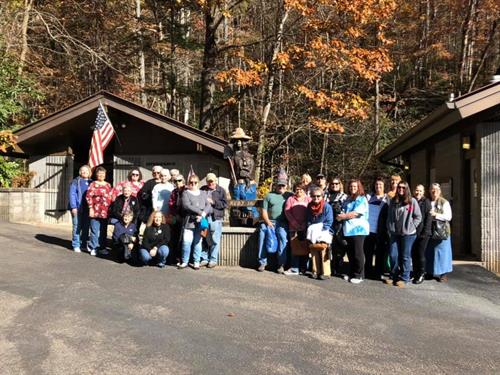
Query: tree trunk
point(466, 43)
point(283, 13)
point(208, 73)
point(142, 59)
point(24, 35)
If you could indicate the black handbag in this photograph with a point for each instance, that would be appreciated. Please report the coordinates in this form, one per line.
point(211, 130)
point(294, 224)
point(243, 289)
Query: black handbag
point(340, 240)
point(440, 230)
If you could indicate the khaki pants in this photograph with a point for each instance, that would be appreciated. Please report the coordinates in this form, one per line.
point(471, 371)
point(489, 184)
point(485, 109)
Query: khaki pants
point(320, 259)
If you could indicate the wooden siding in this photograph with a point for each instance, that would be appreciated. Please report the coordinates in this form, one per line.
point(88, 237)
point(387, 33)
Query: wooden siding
point(490, 195)
point(449, 173)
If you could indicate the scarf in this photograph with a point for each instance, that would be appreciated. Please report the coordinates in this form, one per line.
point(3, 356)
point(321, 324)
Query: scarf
point(317, 208)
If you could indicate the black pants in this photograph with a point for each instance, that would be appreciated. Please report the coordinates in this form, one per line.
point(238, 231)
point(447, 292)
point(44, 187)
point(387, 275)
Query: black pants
point(356, 255)
point(338, 253)
point(375, 245)
point(418, 255)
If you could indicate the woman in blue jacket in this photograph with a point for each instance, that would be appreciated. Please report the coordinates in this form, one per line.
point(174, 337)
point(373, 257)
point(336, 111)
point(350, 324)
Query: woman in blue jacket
point(355, 228)
point(79, 208)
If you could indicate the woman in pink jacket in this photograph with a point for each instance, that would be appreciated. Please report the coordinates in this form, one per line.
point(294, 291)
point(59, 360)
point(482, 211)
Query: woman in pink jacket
point(295, 212)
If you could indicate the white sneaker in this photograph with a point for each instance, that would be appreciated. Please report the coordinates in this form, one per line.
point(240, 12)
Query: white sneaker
point(93, 252)
point(345, 277)
point(77, 250)
point(290, 273)
point(196, 266)
point(103, 252)
point(356, 281)
point(181, 265)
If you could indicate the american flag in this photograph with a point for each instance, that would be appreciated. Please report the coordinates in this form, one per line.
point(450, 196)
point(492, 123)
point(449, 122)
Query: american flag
point(102, 135)
point(191, 173)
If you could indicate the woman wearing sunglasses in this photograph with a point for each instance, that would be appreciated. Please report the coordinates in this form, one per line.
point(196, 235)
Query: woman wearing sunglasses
point(134, 179)
point(195, 207)
point(403, 218)
point(319, 224)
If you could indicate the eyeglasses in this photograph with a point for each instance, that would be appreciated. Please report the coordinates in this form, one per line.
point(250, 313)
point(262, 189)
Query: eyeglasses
point(155, 172)
point(335, 183)
point(179, 180)
point(316, 196)
point(402, 187)
point(135, 174)
point(193, 182)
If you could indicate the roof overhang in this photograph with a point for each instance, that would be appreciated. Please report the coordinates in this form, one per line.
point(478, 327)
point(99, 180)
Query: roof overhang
point(37, 128)
point(442, 118)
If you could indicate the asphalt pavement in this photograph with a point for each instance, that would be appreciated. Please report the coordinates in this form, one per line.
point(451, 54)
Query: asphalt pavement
point(68, 313)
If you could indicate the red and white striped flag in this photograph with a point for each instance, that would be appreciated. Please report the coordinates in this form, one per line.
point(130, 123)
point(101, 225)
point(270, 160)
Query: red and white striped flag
point(102, 135)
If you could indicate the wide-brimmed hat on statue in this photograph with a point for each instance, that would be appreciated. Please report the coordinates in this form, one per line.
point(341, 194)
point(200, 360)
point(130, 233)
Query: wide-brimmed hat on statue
point(239, 133)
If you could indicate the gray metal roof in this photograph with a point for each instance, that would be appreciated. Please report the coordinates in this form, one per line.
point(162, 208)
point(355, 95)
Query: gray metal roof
point(445, 116)
point(37, 128)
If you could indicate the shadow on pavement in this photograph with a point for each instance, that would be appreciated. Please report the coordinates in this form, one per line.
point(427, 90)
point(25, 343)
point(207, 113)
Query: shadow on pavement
point(54, 241)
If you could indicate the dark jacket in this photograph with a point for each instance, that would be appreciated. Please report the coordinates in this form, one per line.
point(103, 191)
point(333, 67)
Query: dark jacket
point(121, 229)
point(77, 191)
point(425, 226)
point(220, 202)
point(155, 236)
point(326, 217)
point(174, 202)
point(117, 207)
point(145, 195)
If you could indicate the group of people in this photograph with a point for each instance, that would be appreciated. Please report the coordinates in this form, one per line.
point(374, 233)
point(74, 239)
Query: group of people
point(181, 219)
point(392, 236)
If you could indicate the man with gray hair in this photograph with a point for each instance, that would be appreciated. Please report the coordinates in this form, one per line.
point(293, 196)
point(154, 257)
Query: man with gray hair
point(146, 193)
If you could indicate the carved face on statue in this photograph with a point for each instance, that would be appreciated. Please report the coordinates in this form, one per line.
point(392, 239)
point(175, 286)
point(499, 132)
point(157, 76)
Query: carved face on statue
point(245, 164)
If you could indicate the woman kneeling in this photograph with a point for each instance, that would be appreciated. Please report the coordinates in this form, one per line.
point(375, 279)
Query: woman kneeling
point(154, 248)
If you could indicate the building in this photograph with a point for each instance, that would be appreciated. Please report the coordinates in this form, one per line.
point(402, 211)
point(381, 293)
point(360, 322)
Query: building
point(458, 146)
point(57, 145)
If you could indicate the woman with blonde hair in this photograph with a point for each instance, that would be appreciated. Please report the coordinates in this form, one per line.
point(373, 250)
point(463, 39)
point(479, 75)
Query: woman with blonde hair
point(154, 247)
point(439, 254)
point(195, 208)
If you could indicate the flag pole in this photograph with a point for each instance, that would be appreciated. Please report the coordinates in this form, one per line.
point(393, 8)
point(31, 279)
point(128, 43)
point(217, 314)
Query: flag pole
point(106, 113)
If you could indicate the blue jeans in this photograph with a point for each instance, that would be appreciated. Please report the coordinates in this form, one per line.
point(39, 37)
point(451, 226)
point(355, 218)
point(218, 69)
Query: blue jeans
point(212, 254)
point(281, 233)
point(400, 256)
point(299, 263)
point(191, 238)
point(81, 225)
point(160, 257)
point(98, 232)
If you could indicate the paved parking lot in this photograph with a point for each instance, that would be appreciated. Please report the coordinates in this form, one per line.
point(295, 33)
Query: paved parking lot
point(67, 313)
